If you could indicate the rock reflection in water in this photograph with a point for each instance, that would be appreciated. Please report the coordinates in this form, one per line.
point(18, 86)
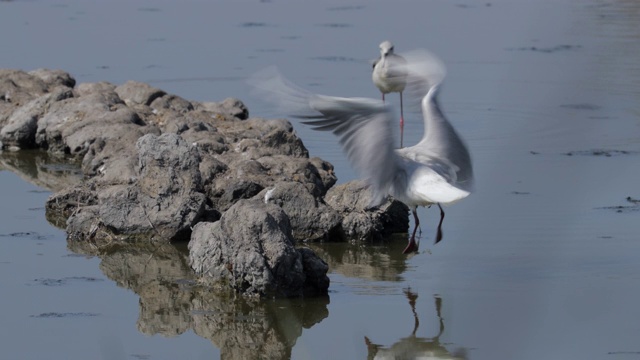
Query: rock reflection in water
point(171, 302)
point(41, 168)
point(412, 346)
point(379, 262)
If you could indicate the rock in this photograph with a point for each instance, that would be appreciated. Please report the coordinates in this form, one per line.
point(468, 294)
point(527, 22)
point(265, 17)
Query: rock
point(67, 201)
point(157, 166)
point(315, 269)
point(251, 248)
point(133, 92)
point(18, 88)
point(228, 106)
point(70, 117)
point(264, 172)
point(162, 204)
point(93, 88)
point(311, 219)
point(20, 128)
point(54, 78)
point(363, 224)
point(259, 137)
point(96, 127)
point(171, 102)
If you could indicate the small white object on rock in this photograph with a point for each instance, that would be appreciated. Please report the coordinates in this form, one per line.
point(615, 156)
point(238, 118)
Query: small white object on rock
point(268, 195)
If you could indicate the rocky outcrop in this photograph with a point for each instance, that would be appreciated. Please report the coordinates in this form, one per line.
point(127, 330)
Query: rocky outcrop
point(251, 248)
point(160, 168)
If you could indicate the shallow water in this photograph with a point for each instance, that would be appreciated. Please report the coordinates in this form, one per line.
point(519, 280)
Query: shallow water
point(543, 261)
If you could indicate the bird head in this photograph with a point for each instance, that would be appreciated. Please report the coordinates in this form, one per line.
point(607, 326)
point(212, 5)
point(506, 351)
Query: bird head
point(386, 48)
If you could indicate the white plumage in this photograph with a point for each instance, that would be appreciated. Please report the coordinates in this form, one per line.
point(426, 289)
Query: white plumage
point(437, 170)
point(390, 75)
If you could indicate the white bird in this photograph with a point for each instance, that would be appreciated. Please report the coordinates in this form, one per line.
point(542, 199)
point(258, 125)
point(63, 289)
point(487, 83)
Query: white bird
point(390, 75)
point(437, 170)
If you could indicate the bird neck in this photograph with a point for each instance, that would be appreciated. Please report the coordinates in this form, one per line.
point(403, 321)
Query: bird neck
point(440, 138)
point(436, 125)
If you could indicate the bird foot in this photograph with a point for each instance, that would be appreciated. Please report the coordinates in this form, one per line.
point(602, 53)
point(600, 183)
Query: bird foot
point(438, 236)
point(411, 247)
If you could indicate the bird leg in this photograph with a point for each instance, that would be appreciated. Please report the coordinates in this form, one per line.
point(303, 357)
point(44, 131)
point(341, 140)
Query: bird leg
point(413, 245)
point(401, 121)
point(412, 297)
point(439, 233)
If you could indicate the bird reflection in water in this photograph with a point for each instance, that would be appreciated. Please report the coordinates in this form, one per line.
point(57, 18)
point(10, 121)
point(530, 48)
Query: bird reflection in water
point(414, 347)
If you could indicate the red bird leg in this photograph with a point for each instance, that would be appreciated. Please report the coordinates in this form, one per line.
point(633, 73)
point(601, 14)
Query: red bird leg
point(439, 233)
point(413, 245)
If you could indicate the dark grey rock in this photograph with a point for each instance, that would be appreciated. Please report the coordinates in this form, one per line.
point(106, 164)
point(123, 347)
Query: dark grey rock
point(252, 250)
point(162, 204)
point(361, 223)
point(244, 178)
point(311, 219)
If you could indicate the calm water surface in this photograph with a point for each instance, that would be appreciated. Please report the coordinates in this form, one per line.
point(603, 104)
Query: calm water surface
point(543, 261)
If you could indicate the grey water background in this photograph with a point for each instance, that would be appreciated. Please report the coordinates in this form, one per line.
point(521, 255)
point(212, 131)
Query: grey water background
point(542, 261)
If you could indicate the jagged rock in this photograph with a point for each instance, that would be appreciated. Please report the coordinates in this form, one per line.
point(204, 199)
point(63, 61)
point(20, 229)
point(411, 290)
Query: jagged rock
point(251, 248)
point(361, 223)
point(67, 201)
point(20, 128)
point(18, 88)
point(96, 127)
point(264, 172)
point(156, 164)
point(311, 219)
point(162, 204)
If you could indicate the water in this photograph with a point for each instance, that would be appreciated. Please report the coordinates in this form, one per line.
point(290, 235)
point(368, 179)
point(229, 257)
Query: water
point(541, 262)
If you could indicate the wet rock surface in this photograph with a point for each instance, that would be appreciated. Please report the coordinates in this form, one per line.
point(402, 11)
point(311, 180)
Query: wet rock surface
point(157, 168)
